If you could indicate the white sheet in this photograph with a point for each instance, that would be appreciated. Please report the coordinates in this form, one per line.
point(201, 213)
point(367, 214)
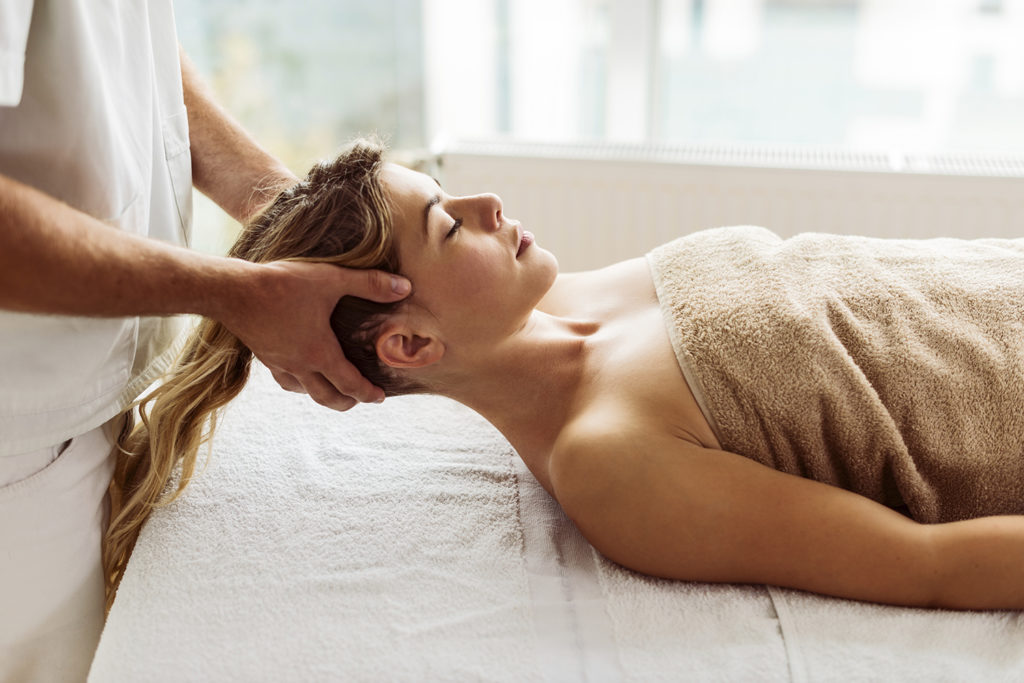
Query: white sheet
point(408, 542)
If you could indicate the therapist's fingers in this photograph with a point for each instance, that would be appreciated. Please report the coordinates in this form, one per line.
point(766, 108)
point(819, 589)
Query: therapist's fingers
point(319, 389)
point(289, 329)
point(323, 372)
point(325, 393)
point(375, 285)
point(347, 380)
point(287, 381)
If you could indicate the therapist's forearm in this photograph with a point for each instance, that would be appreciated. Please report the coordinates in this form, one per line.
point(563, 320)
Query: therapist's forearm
point(228, 165)
point(55, 259)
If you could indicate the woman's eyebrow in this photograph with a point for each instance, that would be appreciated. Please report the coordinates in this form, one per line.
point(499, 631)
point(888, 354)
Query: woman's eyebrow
point(434, 201)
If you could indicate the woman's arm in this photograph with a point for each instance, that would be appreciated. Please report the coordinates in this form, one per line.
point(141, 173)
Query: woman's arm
point(676, 510)
point(981, 563)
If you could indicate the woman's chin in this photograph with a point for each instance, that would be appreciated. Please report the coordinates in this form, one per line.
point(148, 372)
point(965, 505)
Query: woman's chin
point(549, 259)
point(553, 267)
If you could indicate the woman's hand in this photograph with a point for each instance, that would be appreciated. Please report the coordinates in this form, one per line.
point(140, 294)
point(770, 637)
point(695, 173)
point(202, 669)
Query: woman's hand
point(284, 318)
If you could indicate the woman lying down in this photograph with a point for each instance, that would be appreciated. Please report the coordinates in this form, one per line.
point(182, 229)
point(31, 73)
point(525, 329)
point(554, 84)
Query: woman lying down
point(841, 415)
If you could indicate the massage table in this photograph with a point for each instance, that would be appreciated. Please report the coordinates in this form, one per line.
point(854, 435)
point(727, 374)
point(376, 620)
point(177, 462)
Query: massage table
point(408, 542)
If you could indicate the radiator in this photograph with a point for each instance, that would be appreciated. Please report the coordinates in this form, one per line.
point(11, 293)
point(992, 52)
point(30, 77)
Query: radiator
point(596, 204)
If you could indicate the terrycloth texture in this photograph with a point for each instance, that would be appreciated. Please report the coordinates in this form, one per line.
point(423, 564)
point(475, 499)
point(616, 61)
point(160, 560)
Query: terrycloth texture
point(894, 369)
point(401, 542)
point(407, 542)
point(832, 640)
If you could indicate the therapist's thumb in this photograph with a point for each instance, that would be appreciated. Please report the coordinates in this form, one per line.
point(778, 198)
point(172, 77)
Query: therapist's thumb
point(376, 285)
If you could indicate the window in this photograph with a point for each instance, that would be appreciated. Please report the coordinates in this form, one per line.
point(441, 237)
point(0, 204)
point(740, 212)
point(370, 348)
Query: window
point(305, 77)
point(903, 76)
point(913, 76)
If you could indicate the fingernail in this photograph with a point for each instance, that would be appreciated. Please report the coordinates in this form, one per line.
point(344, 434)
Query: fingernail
point(379, 400)
point(400, 285)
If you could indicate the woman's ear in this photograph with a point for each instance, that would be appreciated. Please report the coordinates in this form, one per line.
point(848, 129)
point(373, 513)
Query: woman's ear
point(399, 347)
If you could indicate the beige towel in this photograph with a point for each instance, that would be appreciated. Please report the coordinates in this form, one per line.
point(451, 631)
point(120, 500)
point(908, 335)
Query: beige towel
point(892, 368)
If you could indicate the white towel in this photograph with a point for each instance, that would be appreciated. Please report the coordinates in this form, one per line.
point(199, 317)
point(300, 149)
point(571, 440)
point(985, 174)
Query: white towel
point(828, 639)
point(408, 542)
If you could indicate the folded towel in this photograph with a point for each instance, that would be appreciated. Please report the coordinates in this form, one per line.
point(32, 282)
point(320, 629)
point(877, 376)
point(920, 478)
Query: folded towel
point(892, 368)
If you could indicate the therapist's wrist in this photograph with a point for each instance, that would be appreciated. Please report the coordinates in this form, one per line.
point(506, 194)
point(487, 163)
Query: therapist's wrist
point(230, 289)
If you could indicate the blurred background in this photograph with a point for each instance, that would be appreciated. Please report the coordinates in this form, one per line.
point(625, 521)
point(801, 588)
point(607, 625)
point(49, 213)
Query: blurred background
point(890, 76)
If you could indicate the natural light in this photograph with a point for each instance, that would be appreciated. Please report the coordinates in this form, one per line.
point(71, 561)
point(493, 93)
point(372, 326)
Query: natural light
point(884, 76)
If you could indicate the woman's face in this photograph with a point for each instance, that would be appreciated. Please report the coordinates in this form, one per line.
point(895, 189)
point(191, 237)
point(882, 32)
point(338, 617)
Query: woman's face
point(477, 273)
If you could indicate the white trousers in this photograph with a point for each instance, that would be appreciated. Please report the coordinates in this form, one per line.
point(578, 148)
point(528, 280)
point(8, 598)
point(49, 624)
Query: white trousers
point(53, 506)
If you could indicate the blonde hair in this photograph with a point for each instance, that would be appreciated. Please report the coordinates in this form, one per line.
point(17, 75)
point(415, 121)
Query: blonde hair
point(338, 214)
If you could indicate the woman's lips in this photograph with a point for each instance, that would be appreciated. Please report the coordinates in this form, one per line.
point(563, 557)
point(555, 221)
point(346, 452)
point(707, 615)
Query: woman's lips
point(525, 241)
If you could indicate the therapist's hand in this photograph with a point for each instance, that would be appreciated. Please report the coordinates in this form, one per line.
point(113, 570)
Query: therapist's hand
point(285, 321)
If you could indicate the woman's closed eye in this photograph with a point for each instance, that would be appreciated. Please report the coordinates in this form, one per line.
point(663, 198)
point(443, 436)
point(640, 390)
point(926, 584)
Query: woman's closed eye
point(455, 228)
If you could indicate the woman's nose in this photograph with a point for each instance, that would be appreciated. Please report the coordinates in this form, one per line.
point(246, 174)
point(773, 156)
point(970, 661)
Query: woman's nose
point(489, 206)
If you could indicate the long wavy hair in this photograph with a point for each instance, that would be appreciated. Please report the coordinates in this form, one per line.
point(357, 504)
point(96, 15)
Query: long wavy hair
point(338, 214)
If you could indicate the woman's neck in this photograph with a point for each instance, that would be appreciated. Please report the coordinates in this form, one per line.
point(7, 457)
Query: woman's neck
point(527, 386)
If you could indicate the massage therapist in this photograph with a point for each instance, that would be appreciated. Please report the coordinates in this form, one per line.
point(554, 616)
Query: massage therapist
point(104, 129)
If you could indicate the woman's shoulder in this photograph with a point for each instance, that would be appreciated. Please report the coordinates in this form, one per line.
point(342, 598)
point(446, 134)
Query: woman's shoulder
point(600, 446)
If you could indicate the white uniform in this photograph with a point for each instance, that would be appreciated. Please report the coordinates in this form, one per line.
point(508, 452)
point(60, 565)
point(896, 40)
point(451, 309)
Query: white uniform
point(91, 112)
